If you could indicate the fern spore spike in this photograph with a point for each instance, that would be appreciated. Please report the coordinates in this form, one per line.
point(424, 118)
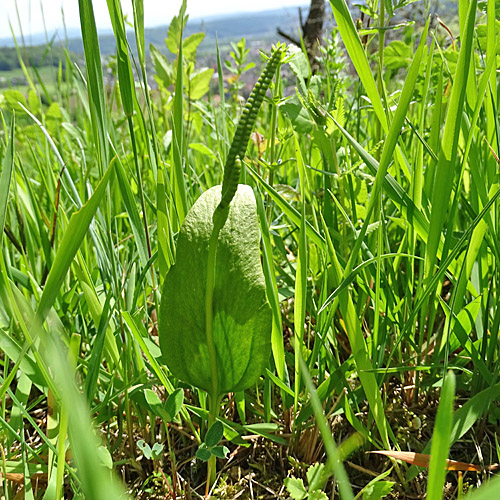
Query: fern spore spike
point(246, 124)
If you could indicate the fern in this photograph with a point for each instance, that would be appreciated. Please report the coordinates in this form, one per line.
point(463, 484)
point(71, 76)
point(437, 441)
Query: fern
point(245, 126)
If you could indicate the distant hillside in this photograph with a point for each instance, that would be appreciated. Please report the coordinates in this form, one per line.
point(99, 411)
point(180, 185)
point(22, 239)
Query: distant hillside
point(251, 25)
point(258, 28)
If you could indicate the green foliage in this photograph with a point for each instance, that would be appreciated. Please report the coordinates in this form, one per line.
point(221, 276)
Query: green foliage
point(151, 453)
point(38, 56)
point(168, 410)
point(239, 54)
point(210, 446)
point(164, 71)
point(175, 30)
point(14, 98)
point(241, 314)
point(378, 490)
point(398, 54)
point(6, 177)
point(199, 83)
point(296, 488)
point(249, 115)
point(238, 66)
point(195, 82)
point(441, 439)
point(483, 5)
point(315, 480)
point(482, 36)
point(368, 219)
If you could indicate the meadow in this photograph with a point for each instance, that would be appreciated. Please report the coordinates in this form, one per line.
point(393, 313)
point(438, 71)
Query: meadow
point(287, 294)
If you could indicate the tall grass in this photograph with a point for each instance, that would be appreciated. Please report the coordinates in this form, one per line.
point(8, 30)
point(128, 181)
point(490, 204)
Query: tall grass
point(377, 195)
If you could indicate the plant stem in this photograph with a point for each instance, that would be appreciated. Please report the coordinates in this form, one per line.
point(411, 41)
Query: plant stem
point(272, 159)
point(209, 296)
point(173, 463)
point(213, 413)
point(380, 80)
point(219, 220)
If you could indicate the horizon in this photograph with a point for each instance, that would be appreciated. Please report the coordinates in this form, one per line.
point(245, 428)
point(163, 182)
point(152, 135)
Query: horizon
point(39, 21)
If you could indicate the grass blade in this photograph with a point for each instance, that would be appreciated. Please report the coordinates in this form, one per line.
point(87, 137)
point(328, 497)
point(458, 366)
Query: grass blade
point(5, 179)
point(444, 176)
point(72, 239)
point(441, 439)
point(178, 142)
point(272, 293)
point(95, 85)
point(300, 276)
point(358, 57)
point(334, 457)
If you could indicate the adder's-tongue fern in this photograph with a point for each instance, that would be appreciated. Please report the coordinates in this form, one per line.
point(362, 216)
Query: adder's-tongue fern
point(245, 126)
point(229, 187)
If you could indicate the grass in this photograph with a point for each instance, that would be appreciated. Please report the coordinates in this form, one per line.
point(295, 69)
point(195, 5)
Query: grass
point(377, 200)
point(15, 79)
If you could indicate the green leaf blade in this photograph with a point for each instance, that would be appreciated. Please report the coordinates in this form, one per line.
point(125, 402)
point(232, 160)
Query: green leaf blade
point(241, 317)
point(203, 454)
point(5, 179)
point(174, 402)
point(214, 434)
point(441, 439)
point(296, 488)
point(358, 57)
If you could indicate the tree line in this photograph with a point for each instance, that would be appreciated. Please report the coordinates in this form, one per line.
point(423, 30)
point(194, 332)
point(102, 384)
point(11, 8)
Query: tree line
point(41, 55)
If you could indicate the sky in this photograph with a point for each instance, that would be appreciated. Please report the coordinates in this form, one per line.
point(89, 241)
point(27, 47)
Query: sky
point(156, 12)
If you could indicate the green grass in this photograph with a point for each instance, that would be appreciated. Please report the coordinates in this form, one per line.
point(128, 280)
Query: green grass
point(377, 198)
point(15, 79)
